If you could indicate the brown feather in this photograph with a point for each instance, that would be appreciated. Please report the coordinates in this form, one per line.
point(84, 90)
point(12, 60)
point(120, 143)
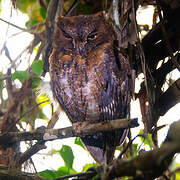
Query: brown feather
point(90, 78)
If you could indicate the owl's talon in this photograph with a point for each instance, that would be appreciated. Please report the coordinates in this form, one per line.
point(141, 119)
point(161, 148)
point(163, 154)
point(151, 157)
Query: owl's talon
point(80, 125)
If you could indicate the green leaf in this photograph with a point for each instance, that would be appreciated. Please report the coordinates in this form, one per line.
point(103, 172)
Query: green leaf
point(150, 138)
point(49, 174)
point(23, 5)
point(37, 67)
point(21, 76)
point(23, 119)
point(146, 142)
point(41, 99)
point(64, 170)
point(177, 175)
point(41, 115)
point(43, 12)
point(35, 82)
point(79, 142)
point(87, 166)
point(67, 155)
point(118, 148)
point(84, 8)
point(1, 82)
point(31, 23)
point(135, 149)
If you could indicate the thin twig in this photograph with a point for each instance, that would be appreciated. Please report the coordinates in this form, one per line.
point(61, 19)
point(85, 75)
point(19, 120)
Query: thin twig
point(88, 173)
point(16, 121)
point(22, 29)
point(116, 13)
point(60, 9)
point(174, 171)
point(30, 30)
point(31, 161)
point(125, 149)
point(144, 67)
point(165, 34)
point(5, 77)
point(75, 3)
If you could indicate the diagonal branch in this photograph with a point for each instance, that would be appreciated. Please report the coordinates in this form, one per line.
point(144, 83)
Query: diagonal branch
point(22, 29)
point(30, 152)
point(154, 44)
point(167, 100)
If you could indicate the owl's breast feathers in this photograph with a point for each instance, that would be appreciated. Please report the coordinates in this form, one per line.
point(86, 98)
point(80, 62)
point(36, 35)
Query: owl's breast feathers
point(90, 89)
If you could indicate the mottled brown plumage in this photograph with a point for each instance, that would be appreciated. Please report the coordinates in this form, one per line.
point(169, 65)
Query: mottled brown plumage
point(90, 78)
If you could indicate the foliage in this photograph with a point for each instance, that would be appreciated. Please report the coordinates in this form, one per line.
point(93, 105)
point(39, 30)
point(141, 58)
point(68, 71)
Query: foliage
point(68, 157)
point(22, 76)
point(79, 142)
point(37, 67)
point(30, 108)
point(146, 140)
point(33, 9)
point(49, 174)
point(0, 7)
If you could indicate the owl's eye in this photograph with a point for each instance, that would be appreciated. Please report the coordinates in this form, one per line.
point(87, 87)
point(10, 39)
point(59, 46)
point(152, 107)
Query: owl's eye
point(92, 36)
point(66, 35)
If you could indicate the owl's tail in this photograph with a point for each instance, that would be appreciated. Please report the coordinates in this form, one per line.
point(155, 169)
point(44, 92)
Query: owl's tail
point(103, 146)
point(113, 139)
point(109, 154)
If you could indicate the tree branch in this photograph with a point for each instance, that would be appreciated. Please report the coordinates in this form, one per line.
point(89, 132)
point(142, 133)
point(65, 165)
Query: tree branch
point(161, 73)
point(50, 19)
point(22, 29)
point(167, 100)
point(153, 43)
point(82, 130)
point(115, 6)
point(73, 6)
point(85, 128)
point(158, 159)
point(6, 173)
point(30, 152)
point(147, 165)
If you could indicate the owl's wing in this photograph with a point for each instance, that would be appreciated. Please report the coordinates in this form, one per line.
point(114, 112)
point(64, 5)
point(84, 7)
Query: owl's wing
point(113, 83)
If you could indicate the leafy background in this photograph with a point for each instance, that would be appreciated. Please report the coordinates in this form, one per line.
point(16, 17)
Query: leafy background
point(23, 68)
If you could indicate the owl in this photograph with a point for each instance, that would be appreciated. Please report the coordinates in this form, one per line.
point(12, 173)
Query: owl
point(90, 78)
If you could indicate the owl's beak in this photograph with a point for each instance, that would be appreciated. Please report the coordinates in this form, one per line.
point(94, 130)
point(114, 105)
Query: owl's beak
point(79, 46)
point(81, 50)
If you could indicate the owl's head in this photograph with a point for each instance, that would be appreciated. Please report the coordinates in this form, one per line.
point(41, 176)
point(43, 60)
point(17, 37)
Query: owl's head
point(82, 34)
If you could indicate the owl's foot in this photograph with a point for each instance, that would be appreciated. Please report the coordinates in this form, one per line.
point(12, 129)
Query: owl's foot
point(79, 126)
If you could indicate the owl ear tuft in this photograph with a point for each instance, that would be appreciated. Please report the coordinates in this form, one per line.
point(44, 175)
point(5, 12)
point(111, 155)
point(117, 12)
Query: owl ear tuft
point(100, 14)
point(59, 18)
point(59, 21)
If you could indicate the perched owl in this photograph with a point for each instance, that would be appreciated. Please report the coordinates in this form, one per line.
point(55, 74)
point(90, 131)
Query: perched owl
point(90, 78)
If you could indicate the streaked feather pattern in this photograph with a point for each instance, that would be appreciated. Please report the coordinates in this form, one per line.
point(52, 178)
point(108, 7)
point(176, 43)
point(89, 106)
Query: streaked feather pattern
point(90, 78)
